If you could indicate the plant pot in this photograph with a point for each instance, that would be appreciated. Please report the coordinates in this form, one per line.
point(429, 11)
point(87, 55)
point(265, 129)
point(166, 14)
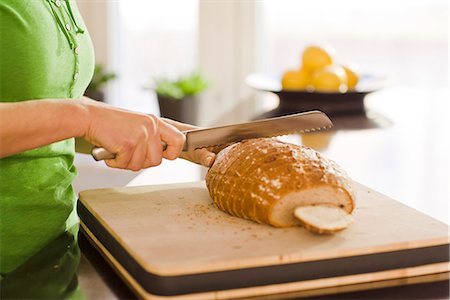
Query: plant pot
point(184, 110)
point(95, 95)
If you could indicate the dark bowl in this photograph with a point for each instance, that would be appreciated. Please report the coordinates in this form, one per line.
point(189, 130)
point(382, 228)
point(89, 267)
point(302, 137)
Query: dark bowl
point(333, 103)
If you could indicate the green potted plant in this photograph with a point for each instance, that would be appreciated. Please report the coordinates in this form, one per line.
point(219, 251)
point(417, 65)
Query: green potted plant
point(98, 81)
point(178, 98)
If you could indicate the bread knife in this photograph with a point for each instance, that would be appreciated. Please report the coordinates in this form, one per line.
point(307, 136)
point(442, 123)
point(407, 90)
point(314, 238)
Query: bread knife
point(215, 136)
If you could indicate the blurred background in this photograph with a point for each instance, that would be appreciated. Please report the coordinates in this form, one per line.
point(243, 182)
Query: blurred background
point(227, 40)
point(402, 151)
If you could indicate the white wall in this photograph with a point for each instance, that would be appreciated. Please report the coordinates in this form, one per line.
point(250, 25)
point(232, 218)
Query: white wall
point(229, 38)
point(96, 17)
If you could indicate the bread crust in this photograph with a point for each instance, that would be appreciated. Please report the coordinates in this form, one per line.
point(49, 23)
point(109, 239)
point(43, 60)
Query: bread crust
point(249, 178)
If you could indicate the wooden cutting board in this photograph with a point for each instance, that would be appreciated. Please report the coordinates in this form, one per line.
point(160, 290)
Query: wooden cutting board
point(170, 241)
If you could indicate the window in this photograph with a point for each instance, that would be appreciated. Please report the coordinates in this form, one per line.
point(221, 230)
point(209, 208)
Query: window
point(152, 39)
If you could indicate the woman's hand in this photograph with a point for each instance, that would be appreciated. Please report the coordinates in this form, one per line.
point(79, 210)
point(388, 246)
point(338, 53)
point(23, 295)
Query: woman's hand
point(135, 138)
point(205, 156)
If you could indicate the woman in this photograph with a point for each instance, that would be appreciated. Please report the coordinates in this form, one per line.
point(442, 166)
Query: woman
point(46, 63)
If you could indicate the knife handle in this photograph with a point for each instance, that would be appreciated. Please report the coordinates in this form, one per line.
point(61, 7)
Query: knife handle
point(99, 153)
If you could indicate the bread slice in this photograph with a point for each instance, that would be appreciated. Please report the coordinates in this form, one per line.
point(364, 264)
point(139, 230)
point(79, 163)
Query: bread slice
point(281, 214)
point(265, 180)
point(323, 219)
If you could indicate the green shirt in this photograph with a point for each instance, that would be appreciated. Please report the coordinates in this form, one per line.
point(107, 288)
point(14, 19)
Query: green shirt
point(45, 52)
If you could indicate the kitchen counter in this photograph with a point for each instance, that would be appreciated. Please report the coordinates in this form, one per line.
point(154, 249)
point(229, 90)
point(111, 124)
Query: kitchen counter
point(400, 149)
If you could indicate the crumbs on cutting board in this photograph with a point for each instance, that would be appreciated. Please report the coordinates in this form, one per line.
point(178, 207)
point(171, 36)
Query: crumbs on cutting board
point(210, 215)
point(205, 215)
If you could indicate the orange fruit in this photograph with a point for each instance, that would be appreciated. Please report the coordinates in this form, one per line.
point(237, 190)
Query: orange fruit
point(317, 140)
point(315, 57)
point(295, 80)
point(330, 79)
point(352, 77)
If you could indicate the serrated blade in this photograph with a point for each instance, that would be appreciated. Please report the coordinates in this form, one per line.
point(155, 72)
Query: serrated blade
point(296, 123)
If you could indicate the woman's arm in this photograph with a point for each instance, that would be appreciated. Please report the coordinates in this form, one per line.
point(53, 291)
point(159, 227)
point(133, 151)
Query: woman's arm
point(31, 124)
point(134, 137)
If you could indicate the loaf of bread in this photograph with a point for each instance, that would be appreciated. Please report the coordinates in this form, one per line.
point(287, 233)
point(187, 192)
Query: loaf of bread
point(266, 180)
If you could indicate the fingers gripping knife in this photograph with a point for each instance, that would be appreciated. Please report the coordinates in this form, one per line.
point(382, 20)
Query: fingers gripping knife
point(215, 136)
